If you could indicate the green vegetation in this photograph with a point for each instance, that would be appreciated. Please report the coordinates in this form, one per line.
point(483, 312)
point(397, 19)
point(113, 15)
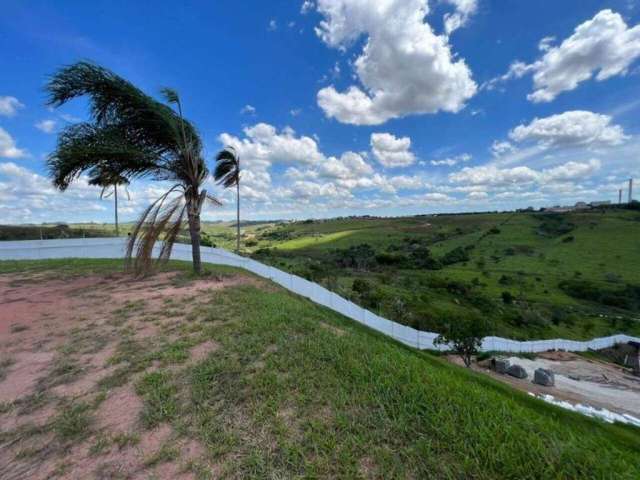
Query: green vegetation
point(296, 390)
point(532, 275)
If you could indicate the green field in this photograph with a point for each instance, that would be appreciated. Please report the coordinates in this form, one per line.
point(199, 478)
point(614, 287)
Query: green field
point(297, 391)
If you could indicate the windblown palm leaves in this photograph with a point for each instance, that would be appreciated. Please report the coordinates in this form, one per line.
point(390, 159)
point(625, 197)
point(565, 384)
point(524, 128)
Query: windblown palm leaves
point(227, 174)
point(132, 135)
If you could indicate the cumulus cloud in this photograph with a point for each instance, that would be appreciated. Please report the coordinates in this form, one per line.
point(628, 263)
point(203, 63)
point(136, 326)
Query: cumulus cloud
point(573, 128)
point(9, 106)
point(404, 67)
point(46, 126)
point(248, 110)
point(452, 161)
point(307, 6)
point(500, 148)
point(391, 151)
point(478, 195)
point(8, 148)
point(494, 176)
point(264, 145)
point(603, 46)
point(463, 11)
point(38, 200)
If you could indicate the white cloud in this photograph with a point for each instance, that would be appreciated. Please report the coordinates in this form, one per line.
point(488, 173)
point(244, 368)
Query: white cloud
point(8, 148)
point(494, 176)
point(46, 126)
point(573, 128)
point(294, 112)
point(463, 10)
point(545, 44)
point(264, 145)
point(479, 195)
point(248, 109)
point(451, 161)
point(571, 171)
point(603, 46)
point(273, 25)
point(404, 67)
point(405, 182)
point(350, 165)
point(498, 148)
point(307, 6)
point(390, 151)
point(9, 106)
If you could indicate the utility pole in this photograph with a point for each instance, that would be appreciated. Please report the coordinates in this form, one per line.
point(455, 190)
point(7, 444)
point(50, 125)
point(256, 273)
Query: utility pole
point(620, 197)
point(630, 190)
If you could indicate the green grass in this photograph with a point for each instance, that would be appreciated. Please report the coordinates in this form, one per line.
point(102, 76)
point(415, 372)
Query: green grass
point(297, 391)
point(73, 421)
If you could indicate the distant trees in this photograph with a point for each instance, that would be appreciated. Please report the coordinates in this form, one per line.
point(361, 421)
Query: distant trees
point(464, 334)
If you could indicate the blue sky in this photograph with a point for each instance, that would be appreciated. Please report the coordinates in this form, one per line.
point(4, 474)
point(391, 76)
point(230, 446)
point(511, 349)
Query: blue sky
point(338, 107)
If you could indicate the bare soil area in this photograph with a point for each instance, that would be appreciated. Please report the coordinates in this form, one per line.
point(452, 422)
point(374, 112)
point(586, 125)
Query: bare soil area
point(577, 380)
point(69, 407)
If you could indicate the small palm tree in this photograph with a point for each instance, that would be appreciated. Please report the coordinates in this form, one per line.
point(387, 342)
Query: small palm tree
point(133, 135)
point(227, 174)
point(108, 181)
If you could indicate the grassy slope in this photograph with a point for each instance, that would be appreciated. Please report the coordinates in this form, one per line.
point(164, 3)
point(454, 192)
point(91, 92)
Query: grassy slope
point(298, 391)
point(604, 244)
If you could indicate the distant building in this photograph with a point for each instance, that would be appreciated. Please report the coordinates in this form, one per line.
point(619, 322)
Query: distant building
point(600, 203)
point(581, 206)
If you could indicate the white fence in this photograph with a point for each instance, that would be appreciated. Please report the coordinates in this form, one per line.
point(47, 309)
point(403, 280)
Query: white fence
point(114, 248)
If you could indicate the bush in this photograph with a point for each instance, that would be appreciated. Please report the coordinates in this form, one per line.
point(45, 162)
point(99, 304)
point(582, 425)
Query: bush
point(457, 255)
point(390, 259)
point(494, 231)
point(465, 335)
point(507, 298)
point(568, 239)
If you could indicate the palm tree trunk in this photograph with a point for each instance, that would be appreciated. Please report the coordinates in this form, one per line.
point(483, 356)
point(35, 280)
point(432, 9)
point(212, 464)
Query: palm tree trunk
point(238, 216)
point(193, 213)
point(115, 195)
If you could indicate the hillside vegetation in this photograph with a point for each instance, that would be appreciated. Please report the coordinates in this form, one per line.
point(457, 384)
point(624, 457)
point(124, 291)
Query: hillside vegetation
point(534, 275)
point(294, 390)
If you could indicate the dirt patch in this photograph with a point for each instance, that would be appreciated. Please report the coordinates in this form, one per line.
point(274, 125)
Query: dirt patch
point(59, 339)
point(120, 411)
point(23, 375)
point(200, 352)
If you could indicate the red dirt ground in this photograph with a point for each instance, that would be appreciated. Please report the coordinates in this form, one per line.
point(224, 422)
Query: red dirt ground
point(40, 317)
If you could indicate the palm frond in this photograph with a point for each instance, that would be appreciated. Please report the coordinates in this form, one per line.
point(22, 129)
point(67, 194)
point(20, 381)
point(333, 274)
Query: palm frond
point(227, 170)
point(144, 122)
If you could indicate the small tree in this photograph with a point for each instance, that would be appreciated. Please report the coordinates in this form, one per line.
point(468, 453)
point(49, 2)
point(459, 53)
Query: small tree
point(464, 335)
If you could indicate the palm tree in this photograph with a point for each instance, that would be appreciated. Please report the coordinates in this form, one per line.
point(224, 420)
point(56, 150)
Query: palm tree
point(133, 135)
point(112, 181)
point(227, 174)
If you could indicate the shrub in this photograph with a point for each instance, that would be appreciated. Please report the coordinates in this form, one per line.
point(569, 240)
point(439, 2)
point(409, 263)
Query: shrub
point(464, 335)
point(390, 259)
point(494, 231)
point(568, 239)
point(507, 298)
point(456, 255)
